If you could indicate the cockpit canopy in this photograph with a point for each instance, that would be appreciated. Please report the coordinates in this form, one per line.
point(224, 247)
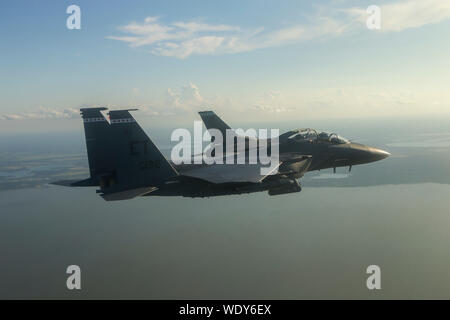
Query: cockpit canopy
point(313, 136)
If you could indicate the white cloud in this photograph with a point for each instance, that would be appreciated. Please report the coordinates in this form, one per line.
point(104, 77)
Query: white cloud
point(42, 113)
point(188, 34)
point(203, 27)
point(11, 117)
point(272, 101)
point(182, 100)
point(201, 45)
point(402, 15)
point(187, 98)
point(270, 108)
point(181, 39)
point(330, 102)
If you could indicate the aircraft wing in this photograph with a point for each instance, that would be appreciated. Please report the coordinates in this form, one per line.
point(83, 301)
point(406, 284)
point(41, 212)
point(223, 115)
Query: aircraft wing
point(291, 163)
point(224, 173)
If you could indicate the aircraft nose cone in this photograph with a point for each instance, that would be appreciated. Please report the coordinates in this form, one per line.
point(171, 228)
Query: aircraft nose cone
point(378, 154)
point(360, 154)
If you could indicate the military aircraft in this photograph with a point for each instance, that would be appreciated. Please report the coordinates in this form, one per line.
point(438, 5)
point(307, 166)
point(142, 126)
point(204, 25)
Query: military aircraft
point(124, 163)
point(327, 150)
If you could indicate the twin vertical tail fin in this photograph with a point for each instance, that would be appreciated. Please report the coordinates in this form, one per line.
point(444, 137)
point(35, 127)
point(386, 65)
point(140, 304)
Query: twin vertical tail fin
point(123, 160)
point(212, 121)
point(138, 162)
point(98, 143)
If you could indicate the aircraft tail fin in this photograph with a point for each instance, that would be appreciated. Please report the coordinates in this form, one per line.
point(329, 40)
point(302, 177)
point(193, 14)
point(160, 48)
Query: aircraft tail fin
point(123, 160)
point(137, 161)
point(212, 121)
point(96, 131)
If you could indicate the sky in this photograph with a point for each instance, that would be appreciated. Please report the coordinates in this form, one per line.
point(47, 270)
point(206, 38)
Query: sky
point(253, 59)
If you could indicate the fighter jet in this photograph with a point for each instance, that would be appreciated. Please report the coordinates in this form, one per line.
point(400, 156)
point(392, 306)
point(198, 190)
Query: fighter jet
point(124, 163)
point(327, 150)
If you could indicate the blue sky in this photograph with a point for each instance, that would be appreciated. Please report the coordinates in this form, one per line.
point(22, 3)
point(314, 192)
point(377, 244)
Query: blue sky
point(259, 59)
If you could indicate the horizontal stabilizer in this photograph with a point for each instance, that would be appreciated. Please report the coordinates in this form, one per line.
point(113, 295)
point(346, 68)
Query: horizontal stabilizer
point(128, 194)
point(76, 183)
